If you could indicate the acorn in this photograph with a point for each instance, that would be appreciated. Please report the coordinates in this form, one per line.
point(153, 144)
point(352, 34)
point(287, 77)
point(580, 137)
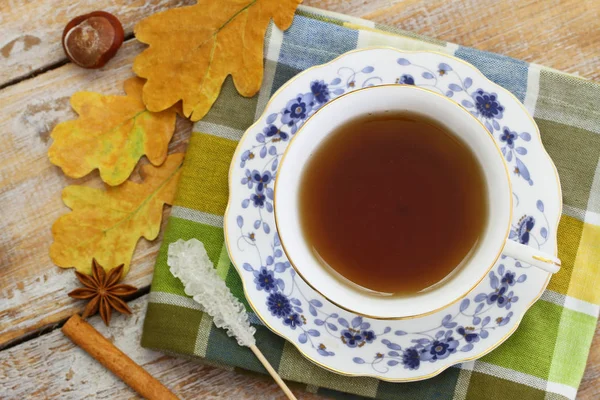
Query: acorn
point(92, 39)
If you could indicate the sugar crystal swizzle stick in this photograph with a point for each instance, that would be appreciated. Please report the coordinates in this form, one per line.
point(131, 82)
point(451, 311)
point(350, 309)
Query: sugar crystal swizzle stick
point(189, 263)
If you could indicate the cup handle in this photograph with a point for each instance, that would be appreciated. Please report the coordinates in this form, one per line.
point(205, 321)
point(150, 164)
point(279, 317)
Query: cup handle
point(531, 256)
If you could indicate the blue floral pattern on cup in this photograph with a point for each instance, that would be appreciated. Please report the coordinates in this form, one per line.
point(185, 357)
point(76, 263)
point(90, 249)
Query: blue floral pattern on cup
point(309, 320)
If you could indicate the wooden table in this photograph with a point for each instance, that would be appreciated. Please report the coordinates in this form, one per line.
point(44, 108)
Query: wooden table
point(36, 81)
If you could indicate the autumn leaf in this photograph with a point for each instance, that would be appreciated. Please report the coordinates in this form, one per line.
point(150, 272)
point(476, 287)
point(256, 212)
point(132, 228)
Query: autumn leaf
point(193, 49)
point(106, 225)
point(111, 134)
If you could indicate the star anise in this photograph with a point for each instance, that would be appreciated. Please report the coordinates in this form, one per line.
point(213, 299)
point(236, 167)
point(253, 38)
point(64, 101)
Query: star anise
point(103, 292)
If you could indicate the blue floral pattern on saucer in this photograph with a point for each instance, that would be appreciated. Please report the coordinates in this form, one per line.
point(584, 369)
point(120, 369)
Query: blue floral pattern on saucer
point(483, 104)
point(397, 350)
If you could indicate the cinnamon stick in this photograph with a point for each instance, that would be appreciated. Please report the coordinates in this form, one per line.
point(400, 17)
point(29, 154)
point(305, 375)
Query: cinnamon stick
point(89, 339)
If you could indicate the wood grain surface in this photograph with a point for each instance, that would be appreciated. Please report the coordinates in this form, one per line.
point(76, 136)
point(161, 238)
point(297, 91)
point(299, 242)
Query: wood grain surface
point(32, 30)
point(35, 85)
point(34, 291)
point(51, 366)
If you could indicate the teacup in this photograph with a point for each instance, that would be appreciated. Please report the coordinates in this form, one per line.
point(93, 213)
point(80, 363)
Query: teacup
point(492, 243)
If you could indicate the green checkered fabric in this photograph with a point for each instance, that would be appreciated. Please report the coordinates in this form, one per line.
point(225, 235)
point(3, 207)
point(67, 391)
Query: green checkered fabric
point(544, 359)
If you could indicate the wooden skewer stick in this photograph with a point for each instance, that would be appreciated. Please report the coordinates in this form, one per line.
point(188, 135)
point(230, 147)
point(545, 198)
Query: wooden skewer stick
point(189, 262)
point(89, 339)
point(273, 373)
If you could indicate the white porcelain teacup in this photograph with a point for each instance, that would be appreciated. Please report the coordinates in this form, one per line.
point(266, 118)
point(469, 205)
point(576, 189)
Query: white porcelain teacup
point(493, 242)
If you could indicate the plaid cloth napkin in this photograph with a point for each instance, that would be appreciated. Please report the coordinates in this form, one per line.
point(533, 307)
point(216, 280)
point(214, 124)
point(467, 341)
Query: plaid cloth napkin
point(544, 359)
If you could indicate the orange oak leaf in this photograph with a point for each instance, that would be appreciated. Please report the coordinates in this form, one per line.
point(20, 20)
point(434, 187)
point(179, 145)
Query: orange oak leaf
point(193, 49)
point(111, 134)
point(106, 224)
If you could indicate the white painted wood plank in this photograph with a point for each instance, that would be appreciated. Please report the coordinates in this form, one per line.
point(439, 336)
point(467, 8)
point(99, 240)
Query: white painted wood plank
point(31, 31)
point(33, 290)
point(51, 366)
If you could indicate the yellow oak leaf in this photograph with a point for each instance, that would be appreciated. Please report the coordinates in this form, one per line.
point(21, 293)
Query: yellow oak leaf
point(106, 224)
point(111, 134)
point(193, 49)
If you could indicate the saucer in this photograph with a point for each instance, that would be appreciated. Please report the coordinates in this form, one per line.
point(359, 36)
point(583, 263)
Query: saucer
point(407, 349)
